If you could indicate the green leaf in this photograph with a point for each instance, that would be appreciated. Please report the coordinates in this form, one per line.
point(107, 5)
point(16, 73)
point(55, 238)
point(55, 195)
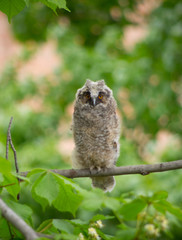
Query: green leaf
point(47, 187)
point(11, 7)
point(112, 203)
point(4, 230)
point(45, 225)
point(93, 200)
point(130, 210)
point(21, 177)
point(50, 5)
point(59, 4)
point(100, 217)
point(63, 225)
point(22, 210)
point(35, 171)
point(159, 195)
point(27, 2)
point(78, 222)
point(13, 186)
point(1, 178)
point(126, 234)
point(55, 226)
point(103, 236)
point(50, 188)
point(1, 182)
point(66, 236)
point(163, 206)
point(7, 179)
point(43, 202)
point(68, 198)
point(5, 165)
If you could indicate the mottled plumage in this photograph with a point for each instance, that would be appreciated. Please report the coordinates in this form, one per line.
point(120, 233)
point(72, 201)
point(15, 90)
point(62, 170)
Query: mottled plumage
point(96, 131)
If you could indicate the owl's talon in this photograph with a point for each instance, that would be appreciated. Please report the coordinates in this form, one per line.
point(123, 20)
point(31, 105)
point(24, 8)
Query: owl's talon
point(91, 171)
point(105, 169)
point(98, 169)
point(95, 168)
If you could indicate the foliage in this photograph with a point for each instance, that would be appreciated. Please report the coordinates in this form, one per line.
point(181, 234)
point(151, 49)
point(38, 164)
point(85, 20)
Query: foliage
point(143, 217)
point(12, 8)
point(146, 82)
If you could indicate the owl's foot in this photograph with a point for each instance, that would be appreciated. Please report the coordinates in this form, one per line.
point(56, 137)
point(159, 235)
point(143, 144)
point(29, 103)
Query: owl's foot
point(104, 169)
point(95, 168)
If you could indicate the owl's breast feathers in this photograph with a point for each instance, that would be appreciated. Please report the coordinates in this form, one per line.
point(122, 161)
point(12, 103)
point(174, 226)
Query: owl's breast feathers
point(94, 130)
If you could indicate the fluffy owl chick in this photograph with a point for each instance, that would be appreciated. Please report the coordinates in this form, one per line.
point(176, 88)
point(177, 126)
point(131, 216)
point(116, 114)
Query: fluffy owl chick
point(96, 131)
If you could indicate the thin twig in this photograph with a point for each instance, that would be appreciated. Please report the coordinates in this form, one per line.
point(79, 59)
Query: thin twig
point(16, 221)
point(46, 227)
point(45, 236)
point(14, 150)
point(8, 137)
point(7, 153)
point(9, 227)
point(7, 185)
point(133, 169)
point(9, 140)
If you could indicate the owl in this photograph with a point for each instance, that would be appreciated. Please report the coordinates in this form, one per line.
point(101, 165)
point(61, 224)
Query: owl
point(96, 131)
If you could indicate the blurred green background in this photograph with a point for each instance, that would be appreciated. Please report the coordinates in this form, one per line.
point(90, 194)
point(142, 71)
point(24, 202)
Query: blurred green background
point(136, 46)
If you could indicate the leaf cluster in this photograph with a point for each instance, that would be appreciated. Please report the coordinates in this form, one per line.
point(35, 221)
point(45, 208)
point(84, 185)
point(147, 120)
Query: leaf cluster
point(130, 216)
point(12, 8)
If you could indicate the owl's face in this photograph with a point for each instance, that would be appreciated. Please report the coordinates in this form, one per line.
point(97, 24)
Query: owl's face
point(94, 94)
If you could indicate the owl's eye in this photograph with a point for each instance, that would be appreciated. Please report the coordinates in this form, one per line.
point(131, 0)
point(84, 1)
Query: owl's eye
point(100, 96)
point(87, 95)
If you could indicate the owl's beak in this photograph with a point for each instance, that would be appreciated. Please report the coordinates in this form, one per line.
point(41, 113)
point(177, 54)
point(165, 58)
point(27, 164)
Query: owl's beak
point(94, 101)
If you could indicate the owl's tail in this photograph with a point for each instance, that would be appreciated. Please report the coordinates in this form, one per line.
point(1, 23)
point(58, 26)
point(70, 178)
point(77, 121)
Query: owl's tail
point(105, 183)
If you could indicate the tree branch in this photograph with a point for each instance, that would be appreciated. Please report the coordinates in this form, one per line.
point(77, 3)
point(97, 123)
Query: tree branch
point(14, 152)
point(16, 221)
point(9, 140)
point(133, 169)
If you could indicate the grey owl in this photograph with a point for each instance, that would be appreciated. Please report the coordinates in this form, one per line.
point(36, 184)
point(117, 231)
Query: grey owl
point(96, 131)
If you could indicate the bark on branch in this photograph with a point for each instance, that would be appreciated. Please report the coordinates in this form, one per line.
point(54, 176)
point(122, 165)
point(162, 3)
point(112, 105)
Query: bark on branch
point(133, 169)
point(9, 141)
point(16, 221)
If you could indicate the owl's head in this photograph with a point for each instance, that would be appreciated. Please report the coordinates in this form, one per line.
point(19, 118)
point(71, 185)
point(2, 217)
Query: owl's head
point(94, 94)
